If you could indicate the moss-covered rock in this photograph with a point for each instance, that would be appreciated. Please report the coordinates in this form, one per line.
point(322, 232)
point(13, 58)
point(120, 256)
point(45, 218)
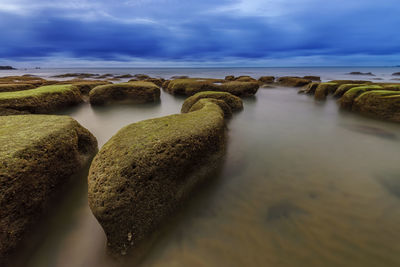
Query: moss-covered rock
point(145, 171)
point(346, 101)
point(340, 82)
point(38, 154)
point(343, 88)
point(245, 78)
point(234, 102)
point(25, 79)
point(266, 79)
point(157, 81)
point(324, 89)
point(313, 78)
point(309, 88)
point(44, 99)
point(242, 89)
point(293, 81)
point(191, 86)
point(201, 103)
point(382, 104)
point(131, 92)
point(15, 87)
point(230, 78)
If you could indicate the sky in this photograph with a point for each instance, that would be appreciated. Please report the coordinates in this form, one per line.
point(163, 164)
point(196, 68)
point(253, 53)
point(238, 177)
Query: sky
point(172, 33)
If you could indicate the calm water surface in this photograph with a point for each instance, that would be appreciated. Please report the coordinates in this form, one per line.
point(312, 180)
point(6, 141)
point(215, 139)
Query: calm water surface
point(303, 185)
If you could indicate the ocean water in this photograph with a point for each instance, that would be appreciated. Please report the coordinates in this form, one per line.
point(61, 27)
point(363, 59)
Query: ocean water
point(303, 184)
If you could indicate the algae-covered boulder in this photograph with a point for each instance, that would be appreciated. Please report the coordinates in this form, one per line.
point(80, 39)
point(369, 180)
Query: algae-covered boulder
point(191, 86)
point(86, 86)
point(230, 78)
point(195, 85)
point(24, 79)
point(242, 89)
point(15, 87)
point(340, 82)
point(234, 102)
point(245, 78)
point(323, 89)
point(38, 154)
point(382, 104)
point(145, 171)
point(131, 92)
point(312, 78)
point(293, 81)
point(346, 101)
point(44, 99)
point(342, 89)
point(201, 103)
point(266, 79)
point(309, 88)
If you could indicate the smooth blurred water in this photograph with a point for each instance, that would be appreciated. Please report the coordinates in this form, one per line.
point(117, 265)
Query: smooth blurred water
point(303, 185)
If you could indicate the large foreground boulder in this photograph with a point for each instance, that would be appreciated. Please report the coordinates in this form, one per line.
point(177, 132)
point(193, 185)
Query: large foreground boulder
point(132, 92)
point(44, 99)
point(145, 171)
point(382, 104)
point(38, 154)
point(234, 102)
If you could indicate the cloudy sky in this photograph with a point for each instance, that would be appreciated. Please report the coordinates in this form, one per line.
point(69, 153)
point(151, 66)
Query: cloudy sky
point(199, 33)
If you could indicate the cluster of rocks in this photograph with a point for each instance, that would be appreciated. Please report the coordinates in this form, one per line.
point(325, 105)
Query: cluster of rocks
point(379, 100)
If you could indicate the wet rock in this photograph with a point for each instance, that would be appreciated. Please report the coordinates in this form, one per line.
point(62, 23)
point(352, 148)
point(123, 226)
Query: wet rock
point(361, 73)
point(312, 78)
point(76, 75)
point(245, 79)
point(293, 81)
point(145, 171)
point(44, 99)
point(230, 78)
point(157, 81)
point(15, 87)
point(396, 74)
point(234, 102)
point(6, 68)
point(283, 210)
point(324, 89)
point(340, 82)
point(346, 101)
point(309, 88)
point(242, 89)
point(131, 92)
point(38, 154)
point(382, 104)
point(342, 89)
point(141, 77)
point(266, 79)
point(179, 77)
point(124, 76)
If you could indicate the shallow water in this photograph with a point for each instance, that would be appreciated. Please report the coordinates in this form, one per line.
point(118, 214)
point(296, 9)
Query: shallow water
point(303, 185)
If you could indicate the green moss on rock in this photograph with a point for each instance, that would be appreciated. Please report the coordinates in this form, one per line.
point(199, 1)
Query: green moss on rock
point(145, 171)
point(324, 89)
point(343, 88)
point(266, 79)
point(44, 99)
point(346, 101)
point(15, 87)
point(382, 104)
point(38, 154)
point(309, 88)
point(131, 92)
point(293, 81)
point(234, 102)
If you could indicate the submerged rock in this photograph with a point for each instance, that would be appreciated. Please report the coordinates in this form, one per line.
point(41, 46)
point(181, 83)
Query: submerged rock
point(76, 75)
point(382, 104)
point(6, 68)
point(131, 92)
point(38, 154)
point(293, 81)
point(44, 99)
point(396, 74)
point(145, 171)
point(361, 73)
point(234, 102)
